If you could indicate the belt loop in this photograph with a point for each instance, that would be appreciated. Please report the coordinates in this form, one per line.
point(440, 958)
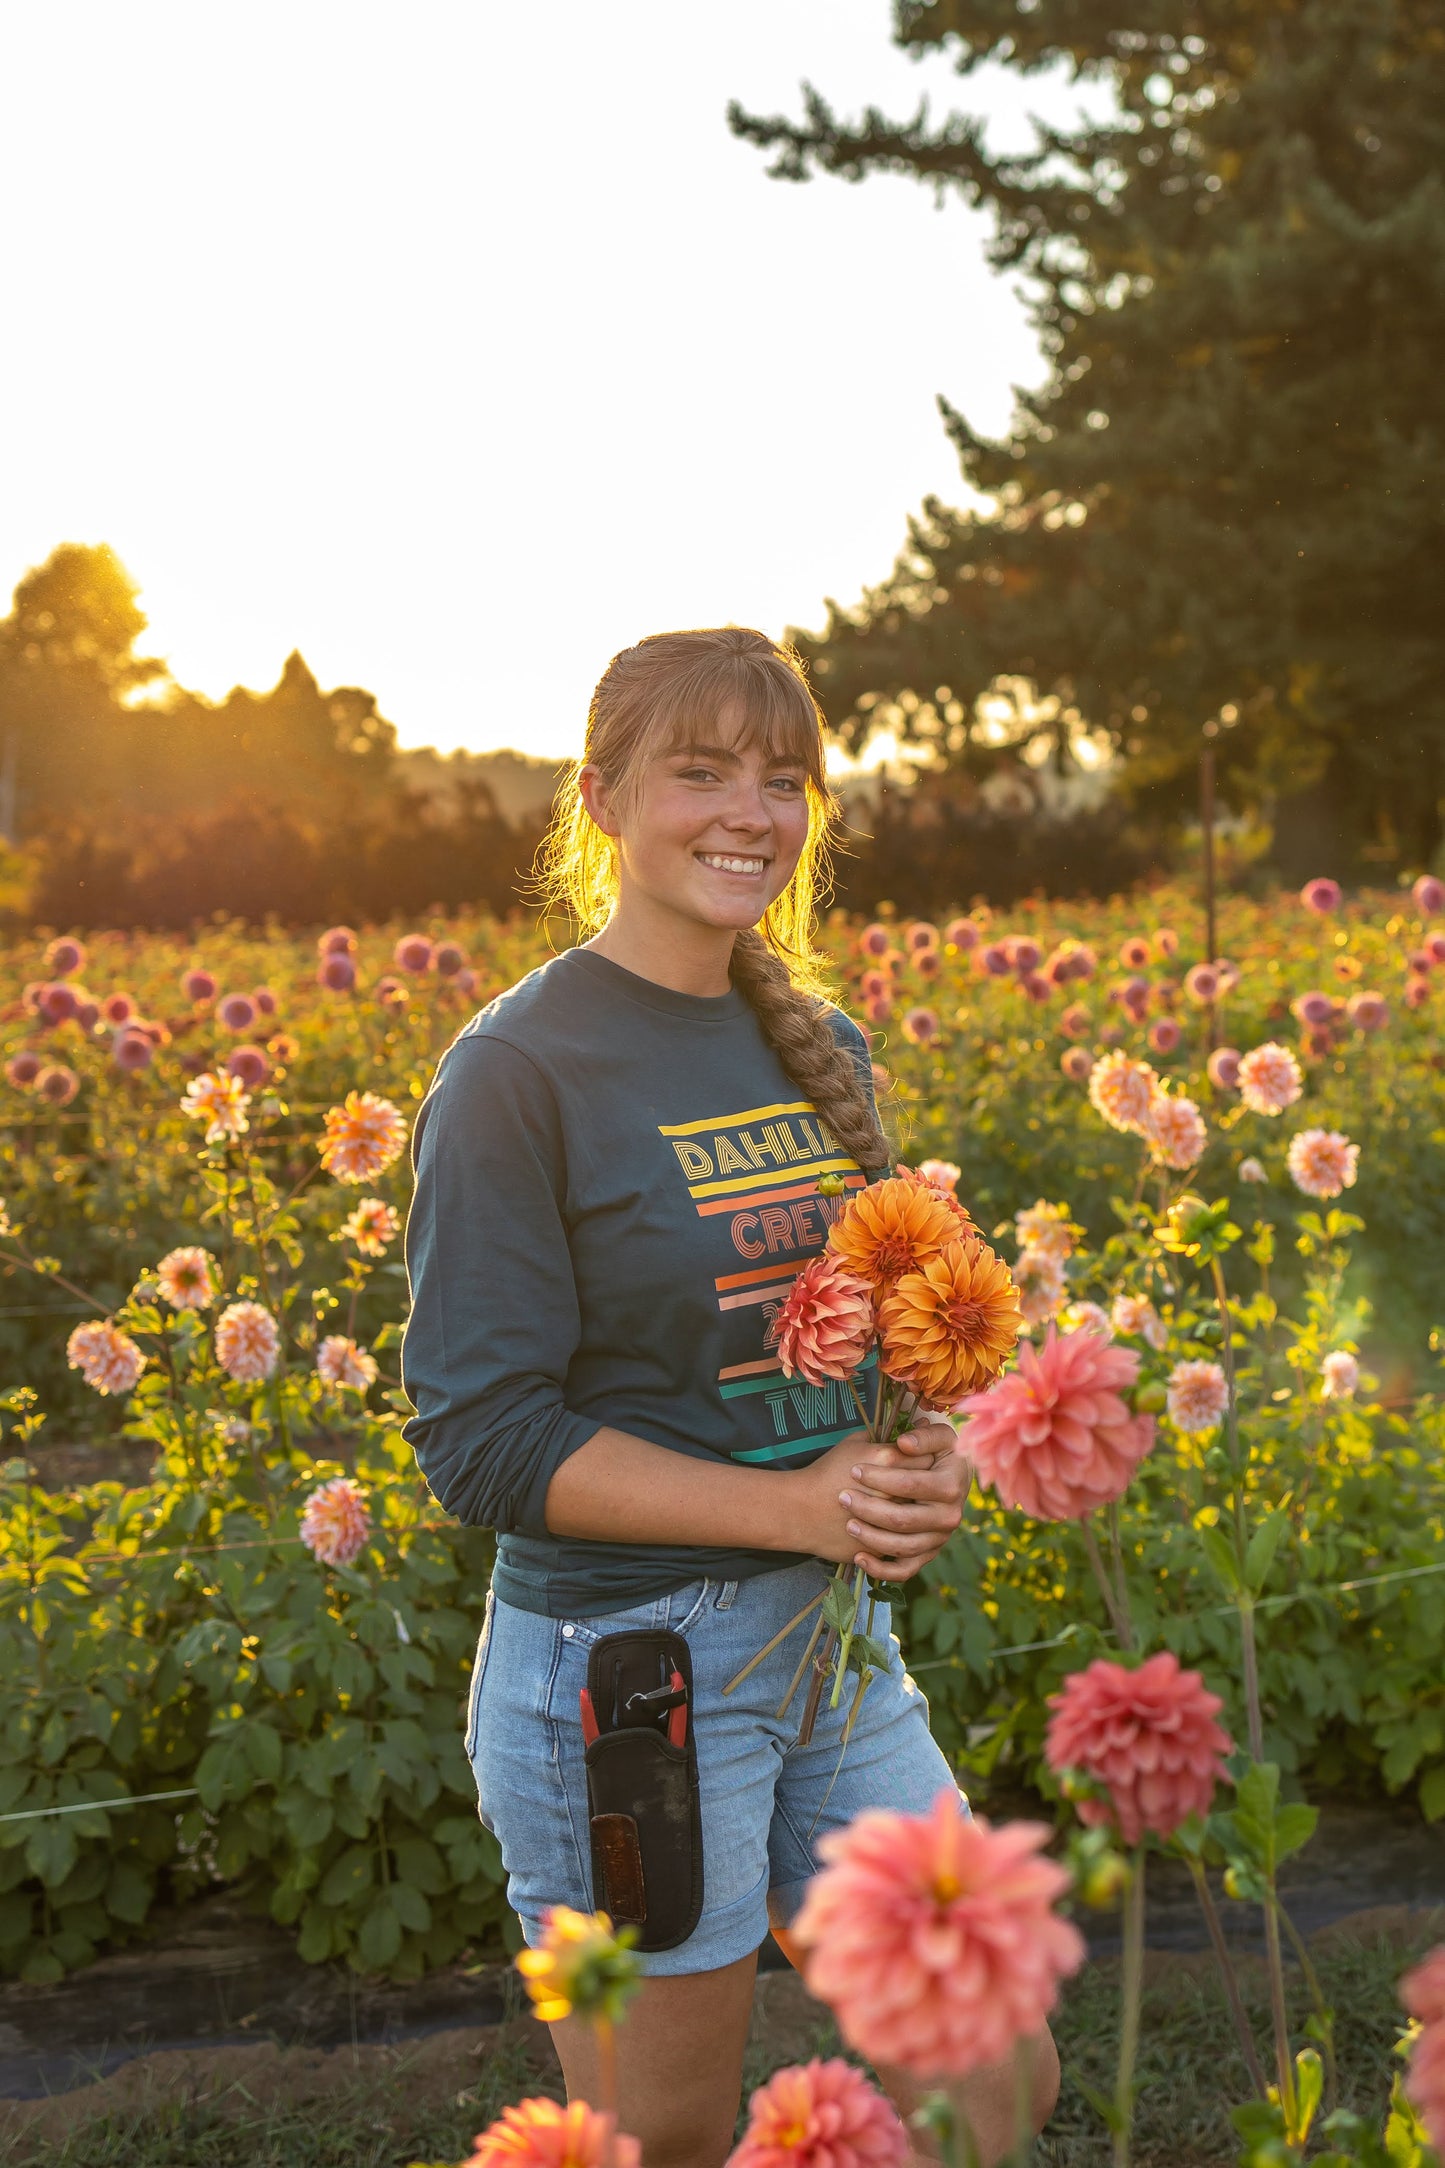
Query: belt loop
point(725, 1596)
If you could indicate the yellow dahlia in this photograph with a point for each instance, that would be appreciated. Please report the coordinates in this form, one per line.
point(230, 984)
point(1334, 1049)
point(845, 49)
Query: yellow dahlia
point(891, 1228)
point(1120, 1089)
point(371, 1226)
point(949, 1326)
point(363, 1137)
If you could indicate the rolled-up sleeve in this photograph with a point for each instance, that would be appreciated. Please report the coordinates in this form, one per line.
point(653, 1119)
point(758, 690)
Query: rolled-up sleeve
point(494, 1318)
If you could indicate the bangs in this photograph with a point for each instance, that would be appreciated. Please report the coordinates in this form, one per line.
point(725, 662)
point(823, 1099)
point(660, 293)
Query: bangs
point(739, 703)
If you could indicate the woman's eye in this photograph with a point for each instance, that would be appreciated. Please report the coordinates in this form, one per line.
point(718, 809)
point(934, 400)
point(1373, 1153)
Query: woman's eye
point(697, 775)
point(789, 784)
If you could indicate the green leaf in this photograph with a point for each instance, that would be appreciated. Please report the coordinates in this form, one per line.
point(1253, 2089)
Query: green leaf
point(379, 1939)
point(1293, 1827)
point(1259, 1555)
point(263, 1752)
point(411, 1907)
point(348, 1876)
point(1432, 1793)
point(51, 1849)
point(1220, 1553)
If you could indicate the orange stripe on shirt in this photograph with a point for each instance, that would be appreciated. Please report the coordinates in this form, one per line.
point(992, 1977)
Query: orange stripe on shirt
point(747, 1199)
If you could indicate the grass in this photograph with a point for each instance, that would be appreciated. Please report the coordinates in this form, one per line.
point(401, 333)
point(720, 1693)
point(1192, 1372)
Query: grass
point(1190, 2074)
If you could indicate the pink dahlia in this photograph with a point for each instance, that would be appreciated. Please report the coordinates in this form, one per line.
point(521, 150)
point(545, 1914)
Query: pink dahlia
point(921, 1026)
point(544, 2134)
point(824, 1325)
point(237, 1012)
point(1322, 896)
point(1422, 1991)
point(341, 1361)
point(1322, 1162)
point(335, 1522)
point(249, 1063)
point(219, 1101)
point(1166, 941)
point(336, 972)
point(1417, 993)
point(247, 1342)
point(413, 953)
point(1429, 895)
point(1174, 1130)
point(1121, 1089)
point(1253, 1170)
point(371, 1225)
point(1075, 1020)
point(1134, 953)
point(265, 1000)
point(995, 960)
point(1077, 1064)
point(927, 963)
point(1164, 1035)
point(1312, 1008)
point(820, 2115)
point(920, 935)
point(1025, 955)
point(1339, 1375)
point(448, 959)
point(23, 1068)
point(873, 985)
point(1087, 1317)
point(943, 1174)
point(65, 955)
point(879, 1009)
point(933, 1936)
point(1035, 987)
point(336, 941)
point(107, 1358)
point(875, 941)
point(58, 1084)
point(117, 1008)
point(962, 934)
point(198, 986)
point(1136, 1317)
point(187, 1278)
point(132, 1049)
point(57, 1003)
point(1055, 1438)
point(1198, 1396)
point(364, 1135)
point(1223, 1068)
point(1367, 1011)
point(1148, 1736)
point(1269, 1078)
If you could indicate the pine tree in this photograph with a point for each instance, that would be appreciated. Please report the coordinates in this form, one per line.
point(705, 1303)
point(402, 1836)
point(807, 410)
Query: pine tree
point(1223, 512)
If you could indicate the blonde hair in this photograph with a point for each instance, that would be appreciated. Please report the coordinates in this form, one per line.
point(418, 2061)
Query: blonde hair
point(679, 688)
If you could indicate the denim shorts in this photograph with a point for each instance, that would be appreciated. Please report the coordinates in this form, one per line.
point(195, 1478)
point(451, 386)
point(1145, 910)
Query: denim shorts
point(765, 1799)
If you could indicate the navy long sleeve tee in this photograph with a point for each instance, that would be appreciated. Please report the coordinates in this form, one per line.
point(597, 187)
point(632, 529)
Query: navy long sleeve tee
point(615, 1184)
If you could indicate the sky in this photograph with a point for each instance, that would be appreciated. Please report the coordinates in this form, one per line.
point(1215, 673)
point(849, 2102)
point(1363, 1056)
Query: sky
point(460, 345)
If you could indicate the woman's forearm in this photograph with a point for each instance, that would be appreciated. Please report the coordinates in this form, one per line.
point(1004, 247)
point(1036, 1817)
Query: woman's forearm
point(621, 1489)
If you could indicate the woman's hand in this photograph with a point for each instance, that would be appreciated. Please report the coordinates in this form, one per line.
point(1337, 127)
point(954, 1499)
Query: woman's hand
point(887, 1508)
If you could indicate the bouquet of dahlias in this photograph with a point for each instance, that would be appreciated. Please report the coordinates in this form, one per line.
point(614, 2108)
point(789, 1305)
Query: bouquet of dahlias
point(906, 1273)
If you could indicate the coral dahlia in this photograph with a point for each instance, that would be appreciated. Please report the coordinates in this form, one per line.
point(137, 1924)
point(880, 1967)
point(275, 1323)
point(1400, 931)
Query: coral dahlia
point(947, 1329)
point(890, 1228)
point(933, 1936)
point(824, 1325)
point(247, 1342)
point(107, 1358)
point(1148, 1736)
point(820, 2115)
point(341, 1361)
point(371, 1225)
point(545, 2134)
point(1136, 1316)
point(363, 1137)
point(219, 1101)
point(1269, 1078)
point(1198, 1395)
point(1422, 1991)
point(335, 1522)
point(1173, 1128)
point(1322, 1162)
point(1055, 1438)
point(187, 1279)
point(1120, 1089)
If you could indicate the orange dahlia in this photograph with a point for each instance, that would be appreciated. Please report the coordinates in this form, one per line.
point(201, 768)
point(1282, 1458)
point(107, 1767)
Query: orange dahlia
point(941, 1177)
point(363, 1137)
point(544, 2134)
point(891, 1228)
point(948, 1328)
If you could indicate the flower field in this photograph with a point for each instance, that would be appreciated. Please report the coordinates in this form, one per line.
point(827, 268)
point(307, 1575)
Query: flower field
point(1220, 1185)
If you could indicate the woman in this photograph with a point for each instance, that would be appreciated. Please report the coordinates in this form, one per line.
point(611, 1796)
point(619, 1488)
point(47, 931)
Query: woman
point(617, 1172)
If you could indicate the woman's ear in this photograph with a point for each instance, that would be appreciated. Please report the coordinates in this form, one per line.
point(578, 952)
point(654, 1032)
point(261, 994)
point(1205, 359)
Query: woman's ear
point(596, 795)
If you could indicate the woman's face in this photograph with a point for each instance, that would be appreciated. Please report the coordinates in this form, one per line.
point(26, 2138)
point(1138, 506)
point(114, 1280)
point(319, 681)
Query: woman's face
point(715, 834)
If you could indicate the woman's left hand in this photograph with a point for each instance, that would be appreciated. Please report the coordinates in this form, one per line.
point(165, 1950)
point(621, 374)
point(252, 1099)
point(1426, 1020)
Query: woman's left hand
point(907, 1499)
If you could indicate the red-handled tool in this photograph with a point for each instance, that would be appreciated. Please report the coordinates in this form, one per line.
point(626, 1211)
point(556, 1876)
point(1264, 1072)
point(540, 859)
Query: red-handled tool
point(677, 1718)
point(589, 1717)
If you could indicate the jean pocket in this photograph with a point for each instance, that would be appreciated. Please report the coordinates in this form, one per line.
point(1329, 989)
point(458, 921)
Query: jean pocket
point(479, 1672)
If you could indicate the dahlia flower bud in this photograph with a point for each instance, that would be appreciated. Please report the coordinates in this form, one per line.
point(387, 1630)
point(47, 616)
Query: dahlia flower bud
point(1253, 1170)
point(824, 1325)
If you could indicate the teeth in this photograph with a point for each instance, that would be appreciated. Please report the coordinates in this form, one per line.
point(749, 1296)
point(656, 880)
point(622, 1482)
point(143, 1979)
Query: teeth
point(731, 865)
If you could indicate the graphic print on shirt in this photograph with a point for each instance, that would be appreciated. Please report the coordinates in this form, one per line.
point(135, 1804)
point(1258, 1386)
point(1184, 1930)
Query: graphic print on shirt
point(753, 1177)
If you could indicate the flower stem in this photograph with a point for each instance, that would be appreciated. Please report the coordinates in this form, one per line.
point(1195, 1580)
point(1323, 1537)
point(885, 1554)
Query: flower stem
point(1120, 1621)
point(1244, 1604)
point(1323, 2013)
point(1228, 1980)
point(768, 1646)
point(1132, 1989)
point(607, 2084)
point(845, 1639)
point(797, 1679)
point(1283, 2062)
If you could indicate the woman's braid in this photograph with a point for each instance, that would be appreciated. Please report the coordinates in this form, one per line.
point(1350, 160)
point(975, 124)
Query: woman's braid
point(796, 1028)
